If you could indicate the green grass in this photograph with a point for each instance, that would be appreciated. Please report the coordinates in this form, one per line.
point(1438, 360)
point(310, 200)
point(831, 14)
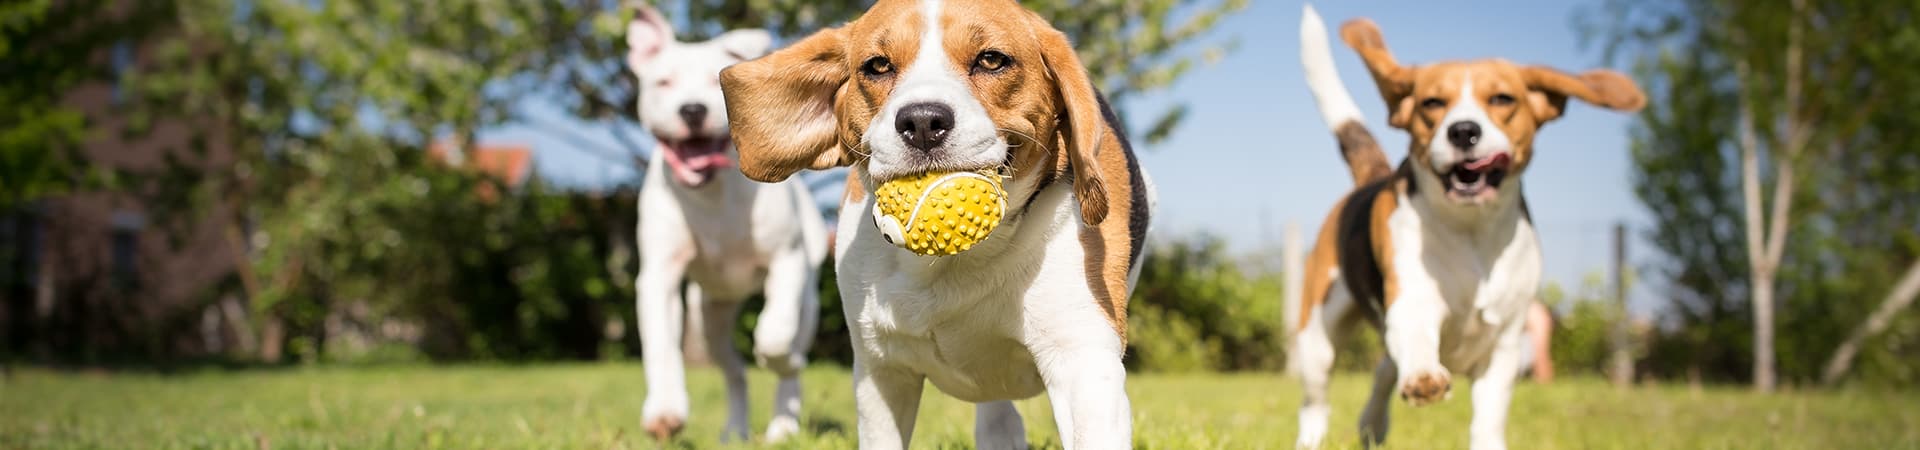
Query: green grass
point(597, 406)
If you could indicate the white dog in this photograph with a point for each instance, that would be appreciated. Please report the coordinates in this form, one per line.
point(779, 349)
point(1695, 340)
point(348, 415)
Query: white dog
point(724, 237)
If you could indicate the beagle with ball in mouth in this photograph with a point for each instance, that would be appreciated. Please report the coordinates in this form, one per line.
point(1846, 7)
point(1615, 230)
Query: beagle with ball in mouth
point(1438, 254)
point(1039, 305)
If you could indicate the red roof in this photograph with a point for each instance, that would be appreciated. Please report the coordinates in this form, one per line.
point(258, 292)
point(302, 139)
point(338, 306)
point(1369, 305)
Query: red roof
point(509, 162)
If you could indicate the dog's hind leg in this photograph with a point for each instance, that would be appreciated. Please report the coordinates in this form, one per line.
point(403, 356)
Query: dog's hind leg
point(784, 333)
point(1314, 356)
point(717, 317)
point(997, 426)
point(1374, 420)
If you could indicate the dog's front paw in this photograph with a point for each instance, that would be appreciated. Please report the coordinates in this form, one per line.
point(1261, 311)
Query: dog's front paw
point(1425, 387)
point(663, 427)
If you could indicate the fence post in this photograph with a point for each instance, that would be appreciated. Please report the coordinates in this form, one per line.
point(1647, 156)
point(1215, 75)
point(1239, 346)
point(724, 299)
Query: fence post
point(1293, 252)
point(1622, 373)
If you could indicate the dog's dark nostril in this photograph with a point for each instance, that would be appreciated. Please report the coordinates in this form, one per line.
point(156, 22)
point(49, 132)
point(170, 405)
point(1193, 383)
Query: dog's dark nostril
point(693, 113)
point(1463, 135)
point(924, 125)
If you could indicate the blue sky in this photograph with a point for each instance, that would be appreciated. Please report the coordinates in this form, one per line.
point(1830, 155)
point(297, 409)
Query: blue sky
point(1253, 153)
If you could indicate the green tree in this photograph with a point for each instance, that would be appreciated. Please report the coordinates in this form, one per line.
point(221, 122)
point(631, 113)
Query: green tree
point(329, 108)
point(1792, 98)
point(47, 49)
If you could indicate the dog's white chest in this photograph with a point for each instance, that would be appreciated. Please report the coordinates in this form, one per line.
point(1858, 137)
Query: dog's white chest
point(965, 362)
point(971, 323)
point(1486, 277)
point(961, 333)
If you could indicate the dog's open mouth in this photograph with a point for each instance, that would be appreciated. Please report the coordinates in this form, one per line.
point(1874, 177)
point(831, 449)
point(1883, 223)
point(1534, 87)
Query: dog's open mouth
point(694, 160)
point(1473, 178)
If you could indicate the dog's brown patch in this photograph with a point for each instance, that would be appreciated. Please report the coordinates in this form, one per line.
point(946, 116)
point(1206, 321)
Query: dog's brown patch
point(1384, 203)
point(1113, 247)
point(1426, 388)
point(1318, 279)
point(665, 428)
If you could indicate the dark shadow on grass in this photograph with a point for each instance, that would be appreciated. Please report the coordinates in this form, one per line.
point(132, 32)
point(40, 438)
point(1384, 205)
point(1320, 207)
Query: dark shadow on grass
point(822, 426)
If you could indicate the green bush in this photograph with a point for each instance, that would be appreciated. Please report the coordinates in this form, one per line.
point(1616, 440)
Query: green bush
point(1197, 308)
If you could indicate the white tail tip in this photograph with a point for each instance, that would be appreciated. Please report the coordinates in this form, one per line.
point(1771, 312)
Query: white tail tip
point(1316, 56)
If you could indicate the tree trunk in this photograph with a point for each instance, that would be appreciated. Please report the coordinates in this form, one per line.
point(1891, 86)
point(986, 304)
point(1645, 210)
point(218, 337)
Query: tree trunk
point(1897, 300)
point(1766, 238)
point(1760, 275)
point(273, 339)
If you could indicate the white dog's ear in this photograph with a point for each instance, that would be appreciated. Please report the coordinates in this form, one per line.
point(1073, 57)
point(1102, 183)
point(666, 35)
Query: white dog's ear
point(647, 34)
point(746, 44)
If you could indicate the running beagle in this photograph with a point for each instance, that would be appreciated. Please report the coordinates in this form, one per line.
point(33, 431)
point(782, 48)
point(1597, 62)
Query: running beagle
point(1039, 306)
point(1438, 254)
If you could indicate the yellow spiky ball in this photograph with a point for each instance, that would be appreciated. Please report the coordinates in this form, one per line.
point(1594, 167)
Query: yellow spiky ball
point(939, 213)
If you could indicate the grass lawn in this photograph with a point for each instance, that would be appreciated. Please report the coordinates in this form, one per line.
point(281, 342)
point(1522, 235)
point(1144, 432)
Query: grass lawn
point(597, 406)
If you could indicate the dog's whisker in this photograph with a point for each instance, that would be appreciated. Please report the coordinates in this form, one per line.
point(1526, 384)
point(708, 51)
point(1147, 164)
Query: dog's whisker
point(1030, 138)
point(856, 149)
point(1014, 171)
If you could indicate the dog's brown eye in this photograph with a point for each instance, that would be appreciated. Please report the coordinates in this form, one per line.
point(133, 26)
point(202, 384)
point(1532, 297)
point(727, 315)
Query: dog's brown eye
point(1433, 103)
point(1500, 100)
point(877, 66)
point(991, 61)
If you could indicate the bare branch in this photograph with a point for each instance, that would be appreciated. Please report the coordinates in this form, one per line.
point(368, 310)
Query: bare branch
point(1898, 299)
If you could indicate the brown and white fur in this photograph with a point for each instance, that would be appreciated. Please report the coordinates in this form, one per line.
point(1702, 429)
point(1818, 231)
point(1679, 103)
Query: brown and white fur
point(720, 235)
point(1438, 254)
point(1039, 305)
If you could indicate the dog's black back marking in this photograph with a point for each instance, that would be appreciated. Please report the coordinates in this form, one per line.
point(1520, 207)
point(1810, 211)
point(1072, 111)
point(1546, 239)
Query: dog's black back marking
point(1359, 269)
point(1137, 219)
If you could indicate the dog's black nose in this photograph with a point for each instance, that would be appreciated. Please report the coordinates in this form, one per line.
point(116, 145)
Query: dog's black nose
point(924, 125)
point(1464, 135)
point(693, 113)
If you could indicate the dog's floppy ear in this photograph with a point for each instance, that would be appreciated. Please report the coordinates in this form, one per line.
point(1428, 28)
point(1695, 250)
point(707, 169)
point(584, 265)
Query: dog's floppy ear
point(1395, 82)
point(647, 34)
point(781, 107)
point(1549, 88)
point(746, 44)
point(1086, 123)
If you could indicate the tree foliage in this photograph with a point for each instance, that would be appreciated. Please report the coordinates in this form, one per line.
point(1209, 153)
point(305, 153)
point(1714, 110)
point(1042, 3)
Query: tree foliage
point(1857, 192)
point(47, 49)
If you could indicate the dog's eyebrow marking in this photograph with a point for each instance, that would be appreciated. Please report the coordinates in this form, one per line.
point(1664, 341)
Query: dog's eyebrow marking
point(978, 35)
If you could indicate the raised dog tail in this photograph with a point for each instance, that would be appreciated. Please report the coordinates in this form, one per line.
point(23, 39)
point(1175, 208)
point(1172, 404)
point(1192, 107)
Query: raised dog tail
point(1362, 152)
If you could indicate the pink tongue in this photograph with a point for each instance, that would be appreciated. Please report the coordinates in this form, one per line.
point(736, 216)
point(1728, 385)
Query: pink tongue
point(707, 161)
point(1498, 160)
